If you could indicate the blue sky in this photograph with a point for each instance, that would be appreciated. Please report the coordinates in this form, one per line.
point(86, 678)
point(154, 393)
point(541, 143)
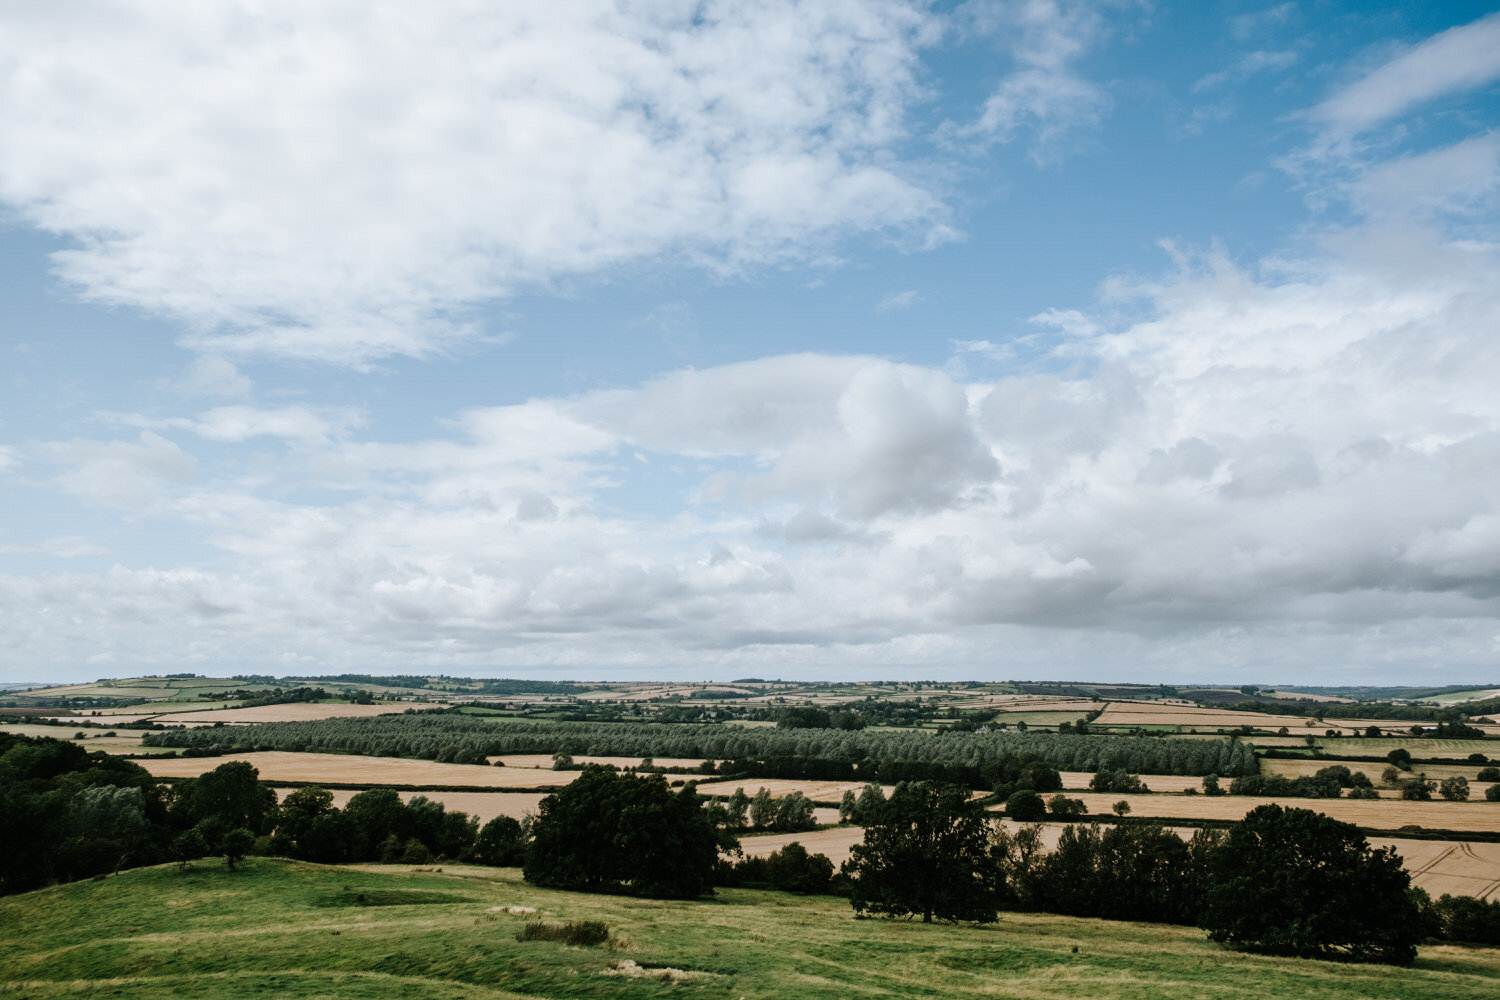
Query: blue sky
point(1118, 340)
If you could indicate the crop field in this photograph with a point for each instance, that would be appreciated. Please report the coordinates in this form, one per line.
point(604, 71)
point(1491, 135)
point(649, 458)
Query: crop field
point(1420, 747)
point(1451, 866)
point(280, 928)
point(1437, 772)
point(276, 765)
point(484, 806)
point(1131, 713)
point(544, 761)
point(1438, 866)
point(124, 741)
point(1379, 814)
point(1079, 780)
point(818, 791)
point(290, 712)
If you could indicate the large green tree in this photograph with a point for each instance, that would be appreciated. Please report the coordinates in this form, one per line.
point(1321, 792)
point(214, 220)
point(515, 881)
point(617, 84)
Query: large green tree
point(608, 831)
point(926, 850)
point(1297, 882)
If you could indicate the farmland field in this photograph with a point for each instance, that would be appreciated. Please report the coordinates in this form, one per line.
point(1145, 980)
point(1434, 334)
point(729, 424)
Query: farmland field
point(484, 806)
point(1379, 814)
point(1437, 772)
point(1420, 747)
point(1128, 713)
point(820, 791)
point(276, 765)
point(124, 741)
point(270, 931)
point(1438, 866)
point(296, 711)
point(544, 761)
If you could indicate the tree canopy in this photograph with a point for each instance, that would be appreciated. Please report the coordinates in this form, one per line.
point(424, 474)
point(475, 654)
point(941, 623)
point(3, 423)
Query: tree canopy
point(926, 850)
point(608, 831)
point(1296, 882)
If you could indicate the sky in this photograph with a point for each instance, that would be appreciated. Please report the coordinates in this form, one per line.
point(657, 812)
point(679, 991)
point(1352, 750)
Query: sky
point(1010, 339)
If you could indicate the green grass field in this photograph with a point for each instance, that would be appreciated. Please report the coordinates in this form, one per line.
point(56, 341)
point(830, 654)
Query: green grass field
point(281, 928)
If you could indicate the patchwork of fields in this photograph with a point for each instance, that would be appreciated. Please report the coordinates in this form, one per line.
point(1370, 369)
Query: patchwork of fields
point(277, 765)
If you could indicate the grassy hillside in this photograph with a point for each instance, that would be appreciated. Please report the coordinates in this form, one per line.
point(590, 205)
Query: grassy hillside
point(286, 929)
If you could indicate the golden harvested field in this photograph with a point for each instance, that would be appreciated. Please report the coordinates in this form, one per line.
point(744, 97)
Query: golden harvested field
point(1135, 713)
point(293, 712)
point(1381, 814)
point(1439, 866)
point(277, 765)
point(1437, 772)
point(544, 761)
point(1420, 748)
point(124, 742)
point(821, 791)
point(485, 806)
point(1078, 780)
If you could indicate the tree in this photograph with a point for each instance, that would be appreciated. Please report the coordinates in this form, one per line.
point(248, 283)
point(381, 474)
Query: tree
point(762, 809)
point(737, 810)
point(1455, 789)
point(500, 842)
point(1296, 882)
point(188, 846)
point(609, 831)
point(235, 845)
point(794, 813)
point(848, 807)
point(1062, 807)
point(1488, 774)
point(1025, 806)
point(1121, 808)
point(1400, 758)
point(926, 850)
point(1492, 793)
point(1211, 785)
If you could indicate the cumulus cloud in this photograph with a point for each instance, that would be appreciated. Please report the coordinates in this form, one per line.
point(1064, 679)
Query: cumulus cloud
point(1274, 462)
point(128, 474)
point(345, 183)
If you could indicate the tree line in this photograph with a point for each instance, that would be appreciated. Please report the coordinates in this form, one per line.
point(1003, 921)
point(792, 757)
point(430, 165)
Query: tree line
point(426, 735)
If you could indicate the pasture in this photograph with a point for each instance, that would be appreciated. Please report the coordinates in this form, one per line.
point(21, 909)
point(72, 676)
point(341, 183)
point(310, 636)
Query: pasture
point(281, 928)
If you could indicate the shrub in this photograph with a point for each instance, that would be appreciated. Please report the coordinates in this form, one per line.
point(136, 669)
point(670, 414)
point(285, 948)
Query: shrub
point(580, 932)
point(1417, 790)
point(1488, 774)
point(1365, 792)
point(1492, 793)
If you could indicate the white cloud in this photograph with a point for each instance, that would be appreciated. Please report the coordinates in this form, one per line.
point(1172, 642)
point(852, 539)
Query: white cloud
point(1248, 65)
point(1044, 98)
point(1455, 60)
point(58, 547)
point(1279, 465)
point(342, 183)
point(126, 474)
point(1459, 178)
point(898, 300)
point(301, 423)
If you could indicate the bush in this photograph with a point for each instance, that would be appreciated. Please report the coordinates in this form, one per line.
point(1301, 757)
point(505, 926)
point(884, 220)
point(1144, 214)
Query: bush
point(500, 842)
point(792, 869)
point(1363, 793)
point(1488, 774)
point(1400, 758)
point(1492, 793)
point(580, 932)
point(1417, 790)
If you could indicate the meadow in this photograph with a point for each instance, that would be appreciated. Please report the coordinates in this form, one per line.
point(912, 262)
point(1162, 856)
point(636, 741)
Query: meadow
point(285, 928)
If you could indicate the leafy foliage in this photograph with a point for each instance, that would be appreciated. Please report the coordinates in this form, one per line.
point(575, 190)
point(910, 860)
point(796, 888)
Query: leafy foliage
point(1296, 882)
point(608, 831)
point(925, 851)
